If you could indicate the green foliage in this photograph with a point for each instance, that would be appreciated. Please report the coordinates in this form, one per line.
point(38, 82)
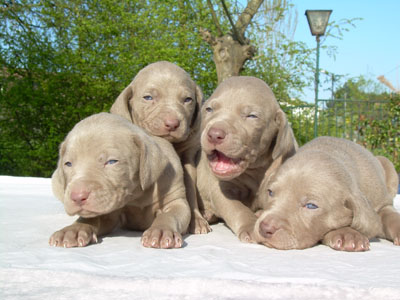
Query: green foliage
point(64, 60)
point(286, 65)
point(372, 120)
point(372, 123)
point(382, 136)
point(284, 70)
point(301, 119)
point(361, 88)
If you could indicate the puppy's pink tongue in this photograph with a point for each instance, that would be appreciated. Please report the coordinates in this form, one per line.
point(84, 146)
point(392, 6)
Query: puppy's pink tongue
point(224, 163)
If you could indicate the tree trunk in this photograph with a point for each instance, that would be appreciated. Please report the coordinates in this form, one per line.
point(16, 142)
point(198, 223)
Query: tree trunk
point(229, 55)
point(231, 50)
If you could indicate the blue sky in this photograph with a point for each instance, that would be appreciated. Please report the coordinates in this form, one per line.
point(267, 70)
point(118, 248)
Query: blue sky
point(371, 49)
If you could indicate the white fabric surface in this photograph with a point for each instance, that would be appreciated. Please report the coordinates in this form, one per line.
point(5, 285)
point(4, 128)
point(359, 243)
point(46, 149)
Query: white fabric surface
point(212, 266)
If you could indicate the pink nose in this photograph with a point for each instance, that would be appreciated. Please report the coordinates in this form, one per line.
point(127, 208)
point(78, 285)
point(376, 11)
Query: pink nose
point(79, 196)
point(216, 135)
point(171, 124)
point(268, 228)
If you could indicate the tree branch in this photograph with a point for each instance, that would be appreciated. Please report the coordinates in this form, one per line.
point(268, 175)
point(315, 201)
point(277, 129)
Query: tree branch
point(246, 16)
point(239, 37)
point(207, 36)
point(215, 19)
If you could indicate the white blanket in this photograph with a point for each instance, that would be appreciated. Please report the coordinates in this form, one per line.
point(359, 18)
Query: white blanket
point(211, 266)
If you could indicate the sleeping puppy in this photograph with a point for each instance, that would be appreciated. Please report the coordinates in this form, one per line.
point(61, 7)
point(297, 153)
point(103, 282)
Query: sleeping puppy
point(165, 102)
point(244, 134)
point(331, 191)
point(111, 173)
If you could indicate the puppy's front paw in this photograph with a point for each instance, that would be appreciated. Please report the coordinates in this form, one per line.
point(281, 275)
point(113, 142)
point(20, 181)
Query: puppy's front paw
point(246, 235)
point(75, 235)
point(199, 225)
point(391, 226)
point(159, 238)
point(346, 239)
point(395, 236)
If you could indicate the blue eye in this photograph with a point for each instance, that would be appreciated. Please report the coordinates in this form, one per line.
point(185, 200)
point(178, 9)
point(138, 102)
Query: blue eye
point(68, 164)
point(148, 97)
point(270, 193)
point(311, 206)
point(188, 99)
point(111, 162)
point(252, 116)
point(209, 109)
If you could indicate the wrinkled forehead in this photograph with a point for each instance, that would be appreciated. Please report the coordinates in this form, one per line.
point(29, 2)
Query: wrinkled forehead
point(304, 179)
point(98, 134)
point(165, 75)
point(244, 90)
point(93, 144)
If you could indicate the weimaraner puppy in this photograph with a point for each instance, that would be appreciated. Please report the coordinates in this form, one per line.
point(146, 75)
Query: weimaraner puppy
point(165, 102)
point(244, 134)
point(331, 191)
point(111, 173)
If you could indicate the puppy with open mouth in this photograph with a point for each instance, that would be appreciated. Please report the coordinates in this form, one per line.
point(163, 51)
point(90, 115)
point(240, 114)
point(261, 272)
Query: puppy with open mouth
point(244, 133)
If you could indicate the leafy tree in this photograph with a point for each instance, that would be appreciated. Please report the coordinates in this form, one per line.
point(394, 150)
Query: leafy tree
point(64, 60)
point(260, 37)
point(361, 88)
point(231, 49)
point(286, 65)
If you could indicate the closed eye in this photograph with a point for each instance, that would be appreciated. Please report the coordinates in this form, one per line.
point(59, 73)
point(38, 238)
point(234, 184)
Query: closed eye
point(311, 206)
point(148, 97)
point(252, 116)
point(111, 162)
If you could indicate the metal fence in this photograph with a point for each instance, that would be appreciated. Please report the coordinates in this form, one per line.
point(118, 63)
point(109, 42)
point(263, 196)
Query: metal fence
point(350, 119)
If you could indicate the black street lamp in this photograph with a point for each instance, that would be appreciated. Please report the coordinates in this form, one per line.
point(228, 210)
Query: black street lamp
point(317, 20)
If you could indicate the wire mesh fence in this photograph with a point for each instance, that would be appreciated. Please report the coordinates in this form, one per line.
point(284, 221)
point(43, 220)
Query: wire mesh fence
point(356, 120)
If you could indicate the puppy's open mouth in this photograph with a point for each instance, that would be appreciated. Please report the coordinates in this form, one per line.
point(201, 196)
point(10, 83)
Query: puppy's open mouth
point(222, 165)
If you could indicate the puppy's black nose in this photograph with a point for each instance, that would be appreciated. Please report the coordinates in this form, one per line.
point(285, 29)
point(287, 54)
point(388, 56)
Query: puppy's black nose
point(216, 135)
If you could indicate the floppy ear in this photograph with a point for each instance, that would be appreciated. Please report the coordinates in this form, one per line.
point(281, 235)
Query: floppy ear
point(152, 160)
point(285, 144)
point(196, 119)
point(273, 168)
point(391, 177)
point(261, 200)
point(121, 106)
point(365, 219)
point(271, 171)
point(58, 177)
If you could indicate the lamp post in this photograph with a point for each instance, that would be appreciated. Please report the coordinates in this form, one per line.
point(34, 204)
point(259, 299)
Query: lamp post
point(317, 20)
